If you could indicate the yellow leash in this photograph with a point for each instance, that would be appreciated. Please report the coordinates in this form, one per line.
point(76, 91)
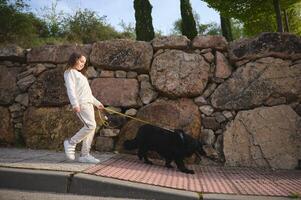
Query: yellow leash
point(105, 123)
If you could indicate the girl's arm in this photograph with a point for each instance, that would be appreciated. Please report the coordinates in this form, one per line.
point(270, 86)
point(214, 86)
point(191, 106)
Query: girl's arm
point(97, 103)
point(70, 85)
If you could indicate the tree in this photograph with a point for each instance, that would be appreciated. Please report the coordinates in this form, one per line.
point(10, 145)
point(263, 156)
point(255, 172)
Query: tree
point(188, 25)
point(18, 27)
point(202, 29)
point(53, 18)
point(226, 28)
point(86, 26)
point(246, 9)
point(144, 24)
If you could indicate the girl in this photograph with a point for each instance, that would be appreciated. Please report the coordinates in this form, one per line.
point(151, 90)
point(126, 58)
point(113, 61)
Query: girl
point(82, 101)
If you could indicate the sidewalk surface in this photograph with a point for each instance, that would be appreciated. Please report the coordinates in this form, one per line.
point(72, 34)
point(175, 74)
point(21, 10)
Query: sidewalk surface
point(117, 174)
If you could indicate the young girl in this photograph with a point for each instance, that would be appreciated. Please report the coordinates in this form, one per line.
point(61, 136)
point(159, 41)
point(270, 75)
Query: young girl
point(82, 101)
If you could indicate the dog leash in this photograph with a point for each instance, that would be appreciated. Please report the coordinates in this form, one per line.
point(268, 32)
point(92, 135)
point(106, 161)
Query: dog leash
point(105, 123)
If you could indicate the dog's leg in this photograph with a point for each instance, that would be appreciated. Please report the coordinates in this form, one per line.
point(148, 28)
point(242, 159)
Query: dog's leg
point(182, 168)
point(167, 163)
point(146, 160)
point(142, 153)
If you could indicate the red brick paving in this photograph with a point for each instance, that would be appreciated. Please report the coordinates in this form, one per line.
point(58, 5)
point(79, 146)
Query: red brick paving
point(242, 181)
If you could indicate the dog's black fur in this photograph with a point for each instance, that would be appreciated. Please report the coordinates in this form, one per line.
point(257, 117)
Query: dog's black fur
point(172, 146)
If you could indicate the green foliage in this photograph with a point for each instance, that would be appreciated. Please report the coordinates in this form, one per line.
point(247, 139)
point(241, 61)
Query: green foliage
point(188, 25)
point(86, 26)
point(203, 29)
point(53, 19)
point(256, 15)
point(128, 30)
point(144, 24)
point(18, 27)
point(294, 18)
point(237, 29)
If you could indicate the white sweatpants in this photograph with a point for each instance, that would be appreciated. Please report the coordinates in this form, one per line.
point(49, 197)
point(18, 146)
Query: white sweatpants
point(86, 133)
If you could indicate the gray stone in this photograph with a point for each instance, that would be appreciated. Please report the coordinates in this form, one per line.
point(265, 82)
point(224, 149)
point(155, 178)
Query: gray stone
point(106, 74)
point(210, 41)
point(223, 68)
point(104, 144)
point(120, 74)
point(91, 72)
point(131, 112)
point(15, 107)
point(209, 57)
point(109, 132)
point(228, 114)
point(219, 117)
point(252, 86)
point(280, 45)
point(210, 123)
point(26, 82)
point(147, 93)
point(206, 109)
point(116, 91)
point(267, 137)
point(170, 42)
point(122, 54)
point(56, 53)
point(143, 77)
point(209, 90)
point(131, 74)
point(175, 73)
point(200, 101)
point(208, 136)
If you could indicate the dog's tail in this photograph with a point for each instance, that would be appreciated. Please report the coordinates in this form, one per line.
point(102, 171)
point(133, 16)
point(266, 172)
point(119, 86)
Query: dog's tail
point(130, 144)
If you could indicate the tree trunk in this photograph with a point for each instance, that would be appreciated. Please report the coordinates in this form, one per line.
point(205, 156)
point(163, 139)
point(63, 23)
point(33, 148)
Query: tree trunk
point(287, 28)
point(226, 28)
point(278, 15)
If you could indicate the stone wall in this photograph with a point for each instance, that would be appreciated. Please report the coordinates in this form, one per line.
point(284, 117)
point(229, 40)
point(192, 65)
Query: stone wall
point(242, 99)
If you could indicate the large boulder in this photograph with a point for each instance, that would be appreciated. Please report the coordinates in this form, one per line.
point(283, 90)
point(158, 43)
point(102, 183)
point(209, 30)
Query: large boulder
point(6, 127)
point(171, 114)
point(170, 42)
point(267, 81)
point(122, 54)
point(46, 128)
point(268, 137)
point(119, 92)
point(49, 89)
point(179, 74)
point(281, 45)
point(8, 86)
point(56, 53)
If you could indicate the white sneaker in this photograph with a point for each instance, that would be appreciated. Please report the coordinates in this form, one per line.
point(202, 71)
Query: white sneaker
point(88, 159)
point(69, 150)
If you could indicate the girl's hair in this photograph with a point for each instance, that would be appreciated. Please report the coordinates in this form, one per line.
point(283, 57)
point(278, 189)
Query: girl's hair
point(72, 60)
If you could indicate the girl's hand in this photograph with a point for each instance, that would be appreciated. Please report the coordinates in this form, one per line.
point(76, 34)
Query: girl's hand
point(100, 107)
point(76, 109)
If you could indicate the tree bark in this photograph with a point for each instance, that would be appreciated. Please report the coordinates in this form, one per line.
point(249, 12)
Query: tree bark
point(278, 15)
point(226, 28)
point(287, 27)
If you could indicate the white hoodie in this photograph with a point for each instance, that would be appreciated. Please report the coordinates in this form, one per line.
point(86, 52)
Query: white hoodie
point(78, 88)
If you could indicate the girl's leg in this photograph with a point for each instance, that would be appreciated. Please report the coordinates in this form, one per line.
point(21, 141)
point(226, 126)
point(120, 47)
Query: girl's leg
point(86, 115)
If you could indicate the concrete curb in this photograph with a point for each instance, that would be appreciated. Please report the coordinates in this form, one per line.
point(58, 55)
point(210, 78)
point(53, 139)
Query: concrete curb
point(84, 184)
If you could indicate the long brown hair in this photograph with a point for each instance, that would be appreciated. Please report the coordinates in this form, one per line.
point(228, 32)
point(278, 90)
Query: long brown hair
point(72, 61)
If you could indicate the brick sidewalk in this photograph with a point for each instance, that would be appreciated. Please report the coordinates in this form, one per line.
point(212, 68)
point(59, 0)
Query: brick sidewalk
point(217, 180)
point(241, 181)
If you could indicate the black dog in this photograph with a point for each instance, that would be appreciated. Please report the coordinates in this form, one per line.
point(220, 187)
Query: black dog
point(173, 146)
